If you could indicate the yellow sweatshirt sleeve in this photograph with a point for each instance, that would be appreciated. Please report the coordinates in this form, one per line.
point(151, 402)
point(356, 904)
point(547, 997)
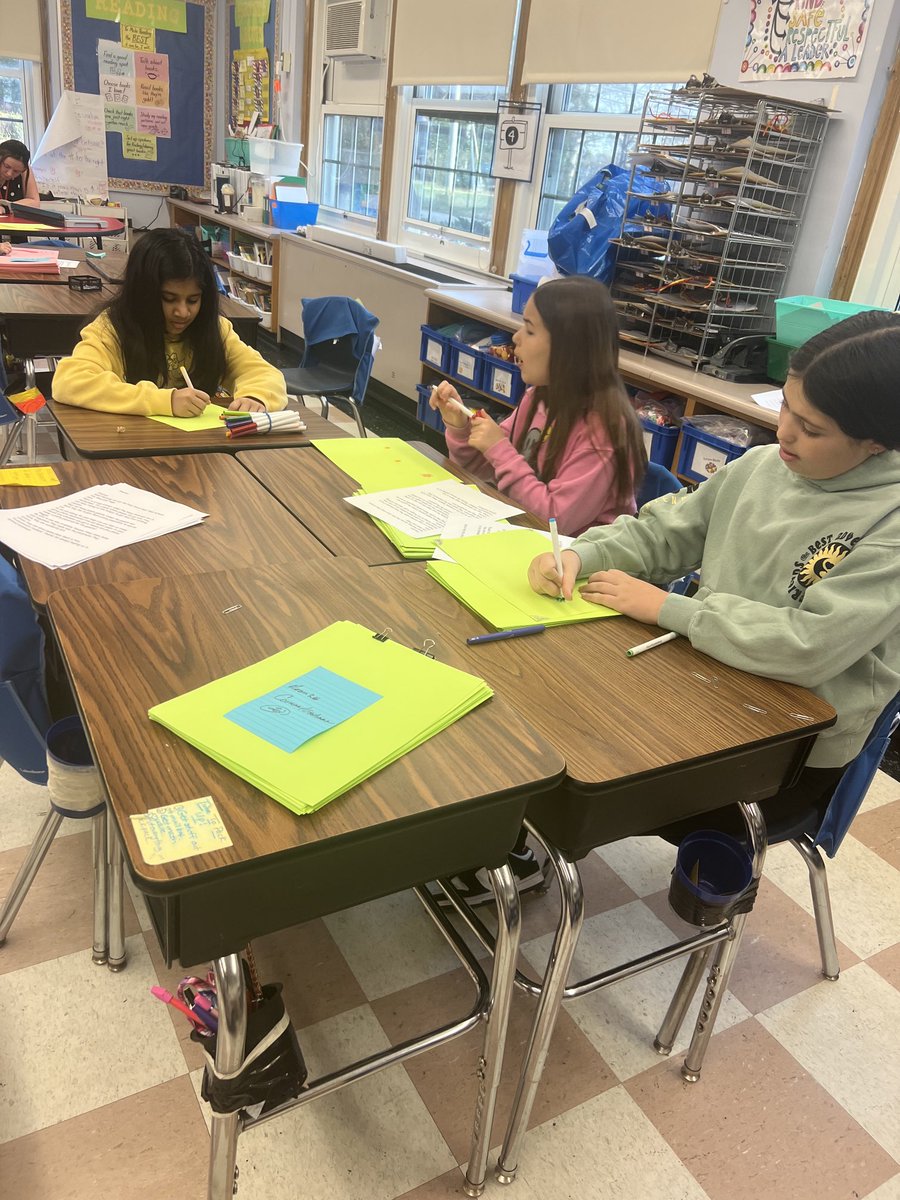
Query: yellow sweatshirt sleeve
point(93, 377)
point(248, 374)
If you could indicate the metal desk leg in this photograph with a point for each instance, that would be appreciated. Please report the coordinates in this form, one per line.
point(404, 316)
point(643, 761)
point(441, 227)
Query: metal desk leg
point(230, 1042)
point(116, 899)
point(561, 954)
point(100, 874)
point(725, 955)
point(509, 926)
point(681, 998)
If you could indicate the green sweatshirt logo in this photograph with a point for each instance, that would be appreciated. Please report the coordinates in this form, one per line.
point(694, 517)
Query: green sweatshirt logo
point(820, 558)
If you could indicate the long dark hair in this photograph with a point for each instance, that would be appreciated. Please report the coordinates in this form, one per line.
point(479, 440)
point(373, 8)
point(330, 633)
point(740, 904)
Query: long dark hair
point(17, 150)
point(584, 378)
point(851, 373)
point(137, 316)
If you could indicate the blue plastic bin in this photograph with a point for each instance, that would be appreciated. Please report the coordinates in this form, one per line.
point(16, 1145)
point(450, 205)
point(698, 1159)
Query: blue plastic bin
point(427, 415)
point(501, 379)
point(466, 364)
point(286, 215)
point(702, 454)
point(523, 286)
point(434, 349)
point(659, 442)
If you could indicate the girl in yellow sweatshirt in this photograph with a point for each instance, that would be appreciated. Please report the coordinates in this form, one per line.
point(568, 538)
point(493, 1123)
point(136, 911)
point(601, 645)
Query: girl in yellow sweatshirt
point(165, 317)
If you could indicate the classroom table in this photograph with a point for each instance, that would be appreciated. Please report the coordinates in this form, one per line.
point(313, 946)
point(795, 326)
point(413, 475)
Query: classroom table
point(314, 490)
point(98, 435)
point(453, 803)
point(100, 227)
point(245, 525)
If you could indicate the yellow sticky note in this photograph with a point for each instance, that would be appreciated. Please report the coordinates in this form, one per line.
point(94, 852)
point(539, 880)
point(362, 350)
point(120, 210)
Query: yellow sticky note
point(139, 145)
point(138, 37)
point(29, 477)
point(178, 831)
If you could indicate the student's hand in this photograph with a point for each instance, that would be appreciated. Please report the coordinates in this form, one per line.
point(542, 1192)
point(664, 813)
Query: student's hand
point(484, 433)
point(246, 404)
point(627, 595)
point(5, 248)
point(544, 577)
point(188, 402)
point(445, 398)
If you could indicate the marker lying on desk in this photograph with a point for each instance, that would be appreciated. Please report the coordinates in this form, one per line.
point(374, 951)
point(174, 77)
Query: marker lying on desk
point(666, 637)
point(502, 634)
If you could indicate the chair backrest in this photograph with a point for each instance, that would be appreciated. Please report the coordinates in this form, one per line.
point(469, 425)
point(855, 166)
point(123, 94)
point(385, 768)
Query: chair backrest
point(657, 482)
point(330, 319)
point(854, 783)
point(24, 716)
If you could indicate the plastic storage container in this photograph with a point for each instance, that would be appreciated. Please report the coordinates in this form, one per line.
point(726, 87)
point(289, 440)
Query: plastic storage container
point(272, 158)
point(427, 415)
point(285, 215)
point(712, 871)
point(466, 364)
point(434, 349)
point(702, 453)
point(798, 318)
point(523, 286)
point(659, 442)
point(501, 379)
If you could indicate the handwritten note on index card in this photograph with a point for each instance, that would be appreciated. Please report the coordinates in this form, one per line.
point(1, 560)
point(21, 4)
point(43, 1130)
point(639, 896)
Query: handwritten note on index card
point(301, 709)
point(178, 831)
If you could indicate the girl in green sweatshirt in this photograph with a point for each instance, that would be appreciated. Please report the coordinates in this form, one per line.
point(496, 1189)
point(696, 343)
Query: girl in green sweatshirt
point(797, 544)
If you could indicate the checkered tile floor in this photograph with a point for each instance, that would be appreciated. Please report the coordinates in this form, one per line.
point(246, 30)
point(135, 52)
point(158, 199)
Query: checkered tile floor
point(800, 1096)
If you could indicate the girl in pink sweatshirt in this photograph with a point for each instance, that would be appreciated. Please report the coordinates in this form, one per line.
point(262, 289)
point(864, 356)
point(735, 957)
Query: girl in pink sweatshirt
point(573, 447)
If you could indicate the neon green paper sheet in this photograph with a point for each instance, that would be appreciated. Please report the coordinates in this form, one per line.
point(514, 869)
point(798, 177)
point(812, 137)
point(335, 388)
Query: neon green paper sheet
point(419, 698)
point(208, 419)
point(489, 575)
point(379, 464)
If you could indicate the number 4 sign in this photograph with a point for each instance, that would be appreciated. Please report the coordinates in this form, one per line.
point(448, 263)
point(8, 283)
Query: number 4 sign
point(516, 140)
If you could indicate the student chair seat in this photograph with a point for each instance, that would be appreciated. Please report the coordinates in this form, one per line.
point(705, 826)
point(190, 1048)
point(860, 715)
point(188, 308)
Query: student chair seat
point(339, 351)
point(24, 724)
point(657, 482)
point(808, 831)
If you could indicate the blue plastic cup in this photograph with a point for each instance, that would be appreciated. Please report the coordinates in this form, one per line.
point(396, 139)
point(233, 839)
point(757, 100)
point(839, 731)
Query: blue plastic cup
point(712, 871)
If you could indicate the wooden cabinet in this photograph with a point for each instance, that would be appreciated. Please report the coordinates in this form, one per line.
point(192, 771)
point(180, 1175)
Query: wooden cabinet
point(246, 255)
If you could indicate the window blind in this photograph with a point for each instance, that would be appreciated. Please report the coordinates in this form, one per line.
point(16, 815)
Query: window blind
point(21, 24)
point(619, 41)
point(468, 41)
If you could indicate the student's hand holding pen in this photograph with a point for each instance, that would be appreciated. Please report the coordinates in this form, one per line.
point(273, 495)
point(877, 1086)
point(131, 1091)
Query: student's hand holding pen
point(188, 402)
point(446, 399)
point(544, 577)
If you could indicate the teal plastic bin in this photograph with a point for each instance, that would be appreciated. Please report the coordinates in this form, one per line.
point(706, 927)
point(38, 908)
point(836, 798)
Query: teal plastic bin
point(798, 318)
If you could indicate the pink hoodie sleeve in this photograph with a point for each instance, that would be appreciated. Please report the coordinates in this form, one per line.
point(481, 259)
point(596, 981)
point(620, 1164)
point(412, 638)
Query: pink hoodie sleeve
point(581, 495)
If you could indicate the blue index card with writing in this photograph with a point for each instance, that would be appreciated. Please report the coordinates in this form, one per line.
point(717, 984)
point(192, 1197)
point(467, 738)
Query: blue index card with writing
point(302, 708)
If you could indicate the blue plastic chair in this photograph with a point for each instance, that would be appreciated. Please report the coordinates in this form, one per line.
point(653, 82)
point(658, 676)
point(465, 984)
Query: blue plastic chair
point(339, 352)
point(657, 482)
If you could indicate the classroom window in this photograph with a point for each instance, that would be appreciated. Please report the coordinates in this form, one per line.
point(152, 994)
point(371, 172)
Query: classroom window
point(351, 163)
point(13, 106)
point(450, 183)
point(588, 125)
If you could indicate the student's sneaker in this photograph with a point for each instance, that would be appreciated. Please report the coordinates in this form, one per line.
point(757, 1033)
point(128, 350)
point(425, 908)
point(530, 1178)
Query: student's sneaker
point(475, 887)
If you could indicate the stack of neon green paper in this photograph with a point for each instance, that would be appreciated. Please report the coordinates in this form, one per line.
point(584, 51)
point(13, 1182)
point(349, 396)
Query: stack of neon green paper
point(419, 698)
point(489, 575)
point(210, 418)
point(378, 464)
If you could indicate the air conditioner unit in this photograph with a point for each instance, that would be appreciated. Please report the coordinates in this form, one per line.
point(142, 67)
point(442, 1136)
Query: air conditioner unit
point(353, 29)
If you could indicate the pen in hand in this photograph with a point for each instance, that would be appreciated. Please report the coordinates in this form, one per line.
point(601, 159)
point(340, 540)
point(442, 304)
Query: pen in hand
point(186, 377)
point(557, 553)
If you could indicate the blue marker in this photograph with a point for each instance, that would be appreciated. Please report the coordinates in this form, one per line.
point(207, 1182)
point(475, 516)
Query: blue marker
point(503, 634)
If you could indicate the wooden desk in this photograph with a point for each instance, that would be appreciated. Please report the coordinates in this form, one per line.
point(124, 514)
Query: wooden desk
point(100, 227)
point(95, 435)
point(245, 525)
point(313, 489)
point(452, 802)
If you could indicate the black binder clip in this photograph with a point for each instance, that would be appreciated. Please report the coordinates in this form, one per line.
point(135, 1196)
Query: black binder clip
point(85, 283)
point(383, 636)
point(427, 648)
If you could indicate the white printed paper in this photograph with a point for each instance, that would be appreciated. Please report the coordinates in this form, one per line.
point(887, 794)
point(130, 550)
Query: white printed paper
point(71, 157)
point(424, 511)
point(73, 529)
point(771, 400)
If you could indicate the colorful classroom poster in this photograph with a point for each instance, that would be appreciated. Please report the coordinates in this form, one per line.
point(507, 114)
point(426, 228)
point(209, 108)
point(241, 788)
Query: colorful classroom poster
point(806, 39)
point(252, 37)
point(251, 12)
point(134, 85)
point(138, 37)
point(71, 157)
point(152, 14)
point(138, 145)
point(250, 85)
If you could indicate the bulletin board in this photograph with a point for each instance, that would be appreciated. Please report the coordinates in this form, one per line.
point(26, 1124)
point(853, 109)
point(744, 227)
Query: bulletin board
point(153, 61)
point(252, 37)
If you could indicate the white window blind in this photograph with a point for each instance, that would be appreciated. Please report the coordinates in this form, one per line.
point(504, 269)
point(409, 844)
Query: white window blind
point(21, 24)
point(468, 41)
point(618, 41)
